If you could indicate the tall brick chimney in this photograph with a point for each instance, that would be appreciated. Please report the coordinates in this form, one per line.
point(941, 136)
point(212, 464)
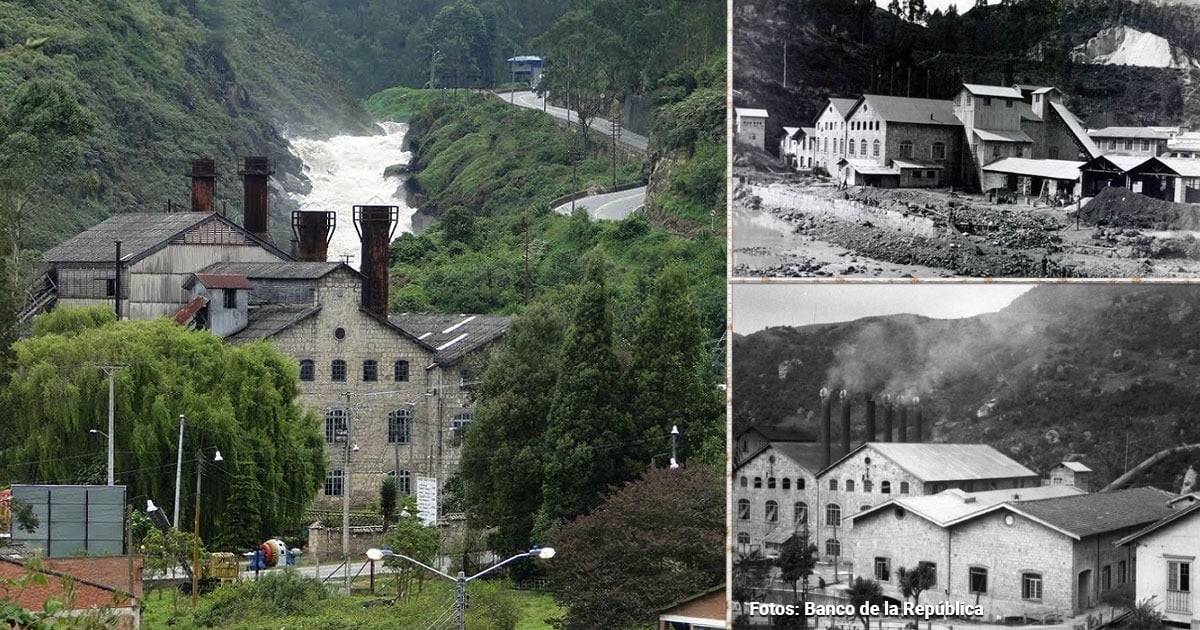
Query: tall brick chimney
point(826, 426)
point(255, 175)
point(918, 420)
point(903, 433)
point(887, 418)
point(845, 422)
point(375, 226)
point(313, 230)
point(870, 418)
point(204, 175)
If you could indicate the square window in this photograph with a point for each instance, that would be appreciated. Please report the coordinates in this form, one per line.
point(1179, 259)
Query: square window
point(370, 370)
point(1031, 586)
point(337, 370)
point(977, 580)
point(883, 569)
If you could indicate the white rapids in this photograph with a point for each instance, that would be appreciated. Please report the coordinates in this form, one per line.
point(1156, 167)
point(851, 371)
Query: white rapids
point(347, 171)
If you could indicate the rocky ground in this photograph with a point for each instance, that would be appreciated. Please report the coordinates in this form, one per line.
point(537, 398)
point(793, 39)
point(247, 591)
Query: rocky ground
point(971, 237)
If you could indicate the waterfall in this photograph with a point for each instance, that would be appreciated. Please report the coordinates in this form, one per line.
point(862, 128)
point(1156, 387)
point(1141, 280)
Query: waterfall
point(346, 171)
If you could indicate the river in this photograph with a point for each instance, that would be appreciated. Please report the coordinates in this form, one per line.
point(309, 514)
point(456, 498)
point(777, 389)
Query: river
point(346, 171)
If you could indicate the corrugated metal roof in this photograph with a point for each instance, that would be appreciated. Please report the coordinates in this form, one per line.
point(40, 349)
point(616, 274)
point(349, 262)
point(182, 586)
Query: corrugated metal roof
point(916, 164)
point(1053, 169)
point(1091, 514)
point(930, 461)
point(221, 281)
point(452, 336)
point(949, 506)
point(1076, 129)
point(289, 270)
point(1078, 467)
point(1176, 515)
point(1003, 135)
point(139, 233)
point(913, 111)
point(1128, 132)
point(806, 454)
point(750, 112)
point(843, 105)
point(992, 90)
point(1123, 162)
point(270, 319)
point(1185, 167)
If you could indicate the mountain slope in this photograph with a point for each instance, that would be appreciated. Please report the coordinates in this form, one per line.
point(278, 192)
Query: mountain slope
point(1062, 370)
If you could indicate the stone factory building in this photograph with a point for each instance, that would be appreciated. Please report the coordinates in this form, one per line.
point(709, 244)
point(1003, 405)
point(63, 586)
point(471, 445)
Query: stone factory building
point(772, 495)
point(894, 141)
point(1046, 558)
point(392, 391)
point(831, 133)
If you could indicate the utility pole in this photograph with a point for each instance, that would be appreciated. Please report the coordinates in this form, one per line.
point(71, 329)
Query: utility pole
point(346, 497)
point(614, 113)
point(110, 371)
point(178, 472)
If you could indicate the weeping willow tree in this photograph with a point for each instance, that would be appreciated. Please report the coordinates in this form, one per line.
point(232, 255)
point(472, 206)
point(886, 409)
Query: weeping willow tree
point(240, 400)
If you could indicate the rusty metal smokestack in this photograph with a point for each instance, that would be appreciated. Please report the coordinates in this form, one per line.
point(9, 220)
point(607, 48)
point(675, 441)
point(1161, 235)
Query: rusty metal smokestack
point(887, 418)
point(204, 176)
point(826, 426)
point(375, 226)
point(255, 175)
point(845, 422)
point(313, 230)
point(917, 420)
point(903, 436)
point(870, 418)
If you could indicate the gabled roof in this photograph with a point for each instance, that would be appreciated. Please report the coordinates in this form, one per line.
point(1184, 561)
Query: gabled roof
point(1098, 513)
point(269, 320)
point(992, 90)
point(930, 461)
point(806, 455)
point(1114, 163)
point(914, 111)
point(1128, 132)
point(1052, 169)
point(790, 131)
point(452, 336)
point(744, 112)
point(1078, 467)
point(949, 506)
point(283, 270)
point(219, 281)
point(809, 131)
point(1165, 522)
point(1184, 167)
point(141, 234)
point(841, 105)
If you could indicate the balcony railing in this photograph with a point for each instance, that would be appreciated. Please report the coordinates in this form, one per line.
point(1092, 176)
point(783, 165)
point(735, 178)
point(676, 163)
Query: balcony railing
point(1179, 601)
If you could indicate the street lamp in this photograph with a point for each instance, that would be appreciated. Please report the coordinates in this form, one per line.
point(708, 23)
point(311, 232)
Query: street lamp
point(108, 437)
point(460, 581)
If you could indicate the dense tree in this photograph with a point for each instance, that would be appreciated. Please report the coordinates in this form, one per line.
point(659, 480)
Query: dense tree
point(463, 38)
point(415, 540)
point(672, 385)
point(864, 593)
point(504, 452)
point(238, 399)
point(751, 573)
point(653, 542)
point(589, 435)
point(387, 500)
point(796, 561)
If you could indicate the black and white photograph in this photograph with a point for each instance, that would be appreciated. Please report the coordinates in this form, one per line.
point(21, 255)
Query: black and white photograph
point(947, 455)
point(979, 138)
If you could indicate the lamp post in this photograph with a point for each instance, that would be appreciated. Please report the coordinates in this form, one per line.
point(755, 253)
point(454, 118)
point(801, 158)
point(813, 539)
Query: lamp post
point(461, 580)
point(196, 525)
point(108, 438)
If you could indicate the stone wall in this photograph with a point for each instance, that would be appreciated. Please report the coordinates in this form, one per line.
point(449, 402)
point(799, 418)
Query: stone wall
point(843, 210)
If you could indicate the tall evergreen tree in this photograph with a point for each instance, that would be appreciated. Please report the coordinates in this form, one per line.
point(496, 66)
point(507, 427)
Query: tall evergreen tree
point(504, 451)
point(589, 432)
point(671, 383)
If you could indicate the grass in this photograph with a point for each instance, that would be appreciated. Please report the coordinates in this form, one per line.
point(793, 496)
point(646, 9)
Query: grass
point(535, 608)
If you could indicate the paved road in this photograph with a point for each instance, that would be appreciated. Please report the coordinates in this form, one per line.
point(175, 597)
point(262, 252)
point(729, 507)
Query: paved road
point(613, 206)
point(533, 101)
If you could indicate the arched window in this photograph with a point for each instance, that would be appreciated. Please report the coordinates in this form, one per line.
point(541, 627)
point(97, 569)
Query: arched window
point(399, 429)
point(939, 151)
point(868, 486)
point(849, 485)
point(903, 487)
point(833, 484)
point(336, 425)
point(906, 149)
point(744, 509)
point(334, 483)
point(885, 487)
point(863, 144)
point(308, 370)
point(772, 512)
point(800, 513)
point(833, 514)
point(833, 547)
point(875, 149)
point(799, 483)
point(337, 371)
point(787, 483)
point(458, 427)
point(770, 483)
point(400, 370)
point(370, 370)
point(851, 147)
point(744, 482)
